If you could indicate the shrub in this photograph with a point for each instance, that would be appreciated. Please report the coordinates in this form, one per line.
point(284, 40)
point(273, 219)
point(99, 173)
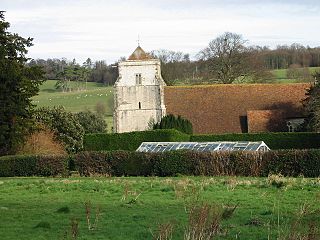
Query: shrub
point(33, 165)
point(42, 142)
point(174, 122)
point(296, 71)
point(132, 140)
point(66, 127)
point(275, 141)
point(91, 122)
point(100, 108)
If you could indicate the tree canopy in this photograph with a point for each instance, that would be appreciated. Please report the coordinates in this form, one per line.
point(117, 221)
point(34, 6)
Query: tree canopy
point(65, 125)
point(18, 83)
point(229, 59)
point(312, 105)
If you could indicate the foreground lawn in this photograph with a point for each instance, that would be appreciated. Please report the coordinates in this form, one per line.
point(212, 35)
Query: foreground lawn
point(133, 208)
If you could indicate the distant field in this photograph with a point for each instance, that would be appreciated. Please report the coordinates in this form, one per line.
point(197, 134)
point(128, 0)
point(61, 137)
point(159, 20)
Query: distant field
point(77, 101)
point(278, 76)
point(281, 75)
point(133, 208)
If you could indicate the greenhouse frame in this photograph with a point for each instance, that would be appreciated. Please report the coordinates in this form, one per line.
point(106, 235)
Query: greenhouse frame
point(203, 146)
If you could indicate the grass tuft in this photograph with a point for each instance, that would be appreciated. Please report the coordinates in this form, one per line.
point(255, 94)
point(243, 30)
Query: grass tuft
point(43, 224)
point(63, 210)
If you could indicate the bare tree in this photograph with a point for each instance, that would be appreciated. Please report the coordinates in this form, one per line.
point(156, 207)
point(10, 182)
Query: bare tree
point(228, 58)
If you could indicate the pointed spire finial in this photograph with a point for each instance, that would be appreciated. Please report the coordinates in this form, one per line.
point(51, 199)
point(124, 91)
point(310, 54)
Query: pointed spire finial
point(138, 40)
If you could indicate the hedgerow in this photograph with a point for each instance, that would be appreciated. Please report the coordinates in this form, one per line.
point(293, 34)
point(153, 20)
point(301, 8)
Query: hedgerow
point(32, 165)
point(132, 140)
point(281, 140)
point(126, 163)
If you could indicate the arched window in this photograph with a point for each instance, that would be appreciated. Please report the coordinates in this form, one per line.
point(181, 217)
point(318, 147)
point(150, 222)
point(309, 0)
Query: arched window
point(139, 105)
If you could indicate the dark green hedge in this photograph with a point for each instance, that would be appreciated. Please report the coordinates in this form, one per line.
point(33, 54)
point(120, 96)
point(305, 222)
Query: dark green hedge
point(132, 140)
point(21, 165)
point(131, 163)
point(273, 140)
point(126, 163)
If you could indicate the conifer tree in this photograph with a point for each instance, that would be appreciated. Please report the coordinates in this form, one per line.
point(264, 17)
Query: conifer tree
point(18, 84)
point(312, 105)
point(172, 122)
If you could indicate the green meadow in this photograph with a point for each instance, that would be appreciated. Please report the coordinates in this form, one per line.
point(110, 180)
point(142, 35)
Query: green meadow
point(77, 100)
point(137, 207)
point(281, 75)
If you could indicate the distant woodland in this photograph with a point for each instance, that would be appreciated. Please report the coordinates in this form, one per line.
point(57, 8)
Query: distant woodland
point(227, 59)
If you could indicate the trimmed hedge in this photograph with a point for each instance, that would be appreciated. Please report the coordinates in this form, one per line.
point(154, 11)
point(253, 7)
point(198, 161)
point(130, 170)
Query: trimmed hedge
point(132, 140)
point(115, 163)
point(130, 163)
point(126, 163)
point(21, 165)
point(275, 141)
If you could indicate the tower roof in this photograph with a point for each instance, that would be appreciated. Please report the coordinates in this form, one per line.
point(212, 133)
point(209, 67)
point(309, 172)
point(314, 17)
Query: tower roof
point(139, 54)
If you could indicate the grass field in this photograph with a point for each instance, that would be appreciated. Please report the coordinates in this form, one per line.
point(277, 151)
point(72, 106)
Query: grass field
point(133, 208)
point(281, 75)
point(77, 101)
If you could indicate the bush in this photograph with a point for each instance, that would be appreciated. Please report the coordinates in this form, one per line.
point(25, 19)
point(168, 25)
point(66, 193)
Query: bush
point(42, 142)
point(132, 140)
point(66, 127)
point(275, 141)
point(125, 163)
point(91, 122)
point(172, 122)
point(32, 165)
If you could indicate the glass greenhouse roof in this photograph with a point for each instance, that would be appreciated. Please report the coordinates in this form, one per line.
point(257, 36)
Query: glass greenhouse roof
point(202, 146)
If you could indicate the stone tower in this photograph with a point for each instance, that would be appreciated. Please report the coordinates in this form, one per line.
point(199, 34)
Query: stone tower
point(139, 93)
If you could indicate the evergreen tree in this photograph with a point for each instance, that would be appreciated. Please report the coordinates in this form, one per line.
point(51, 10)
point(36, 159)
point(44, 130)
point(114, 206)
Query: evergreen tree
point(172, 122)
point(18, 84)
point(312, 105)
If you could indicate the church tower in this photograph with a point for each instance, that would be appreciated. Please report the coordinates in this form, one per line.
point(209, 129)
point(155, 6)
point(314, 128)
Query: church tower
point(138, 93)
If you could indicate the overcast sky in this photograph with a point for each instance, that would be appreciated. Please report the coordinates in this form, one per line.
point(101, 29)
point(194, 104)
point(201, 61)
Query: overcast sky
point(107, 30)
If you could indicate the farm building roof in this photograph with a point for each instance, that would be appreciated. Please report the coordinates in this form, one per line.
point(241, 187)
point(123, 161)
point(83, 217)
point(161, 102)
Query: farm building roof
point(237, 108)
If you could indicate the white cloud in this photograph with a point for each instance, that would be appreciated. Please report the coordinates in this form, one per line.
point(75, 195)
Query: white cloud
point(109, 29)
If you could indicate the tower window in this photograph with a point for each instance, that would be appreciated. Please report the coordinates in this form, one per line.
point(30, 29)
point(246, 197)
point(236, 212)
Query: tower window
point(139, 105)
point(138, 79)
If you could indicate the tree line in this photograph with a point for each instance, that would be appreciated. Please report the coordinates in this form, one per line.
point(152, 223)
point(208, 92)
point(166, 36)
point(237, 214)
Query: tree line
point(227, 59)
point(230, 59)
point(66, 71)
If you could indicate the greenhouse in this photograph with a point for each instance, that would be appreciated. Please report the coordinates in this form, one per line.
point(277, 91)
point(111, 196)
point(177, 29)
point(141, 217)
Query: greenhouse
point(203, 146)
